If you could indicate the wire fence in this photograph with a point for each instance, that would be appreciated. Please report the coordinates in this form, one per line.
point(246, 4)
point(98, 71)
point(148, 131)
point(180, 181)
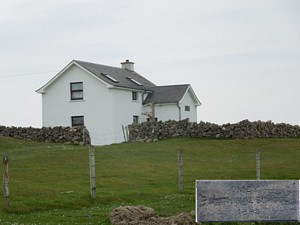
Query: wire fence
point(143, 168)
point(158, 174)
point(147, 177)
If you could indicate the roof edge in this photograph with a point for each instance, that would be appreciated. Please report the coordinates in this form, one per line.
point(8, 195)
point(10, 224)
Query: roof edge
point(42, 89)
point(194, 96)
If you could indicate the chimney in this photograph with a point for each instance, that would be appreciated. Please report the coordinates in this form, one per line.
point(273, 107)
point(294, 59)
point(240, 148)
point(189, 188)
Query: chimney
point(128, 65)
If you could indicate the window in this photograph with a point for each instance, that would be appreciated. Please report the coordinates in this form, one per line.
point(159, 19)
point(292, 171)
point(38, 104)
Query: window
point(135, 119)
point(134, 95)
point(110, 77)
point(77, 121)
point(76, 91)
point(187, 108)
point(134, 81)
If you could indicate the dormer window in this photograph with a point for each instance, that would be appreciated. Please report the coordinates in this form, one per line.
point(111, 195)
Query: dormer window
point(76, 90)
point(134, 81)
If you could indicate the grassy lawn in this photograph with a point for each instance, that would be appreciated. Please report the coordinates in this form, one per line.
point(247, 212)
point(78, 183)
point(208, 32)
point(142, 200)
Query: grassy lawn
point(49, 183)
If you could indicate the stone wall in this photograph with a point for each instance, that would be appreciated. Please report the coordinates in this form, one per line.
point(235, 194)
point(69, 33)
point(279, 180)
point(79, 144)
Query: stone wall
point(74, 135)
point(150, 131)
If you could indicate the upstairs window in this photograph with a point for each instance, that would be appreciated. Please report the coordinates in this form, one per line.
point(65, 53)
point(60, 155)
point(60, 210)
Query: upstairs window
point(134, 96)
point(187, 108)
point(76, 91)
point(77, 121)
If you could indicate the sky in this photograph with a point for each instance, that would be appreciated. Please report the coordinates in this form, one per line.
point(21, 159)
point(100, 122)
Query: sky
point(241, 57)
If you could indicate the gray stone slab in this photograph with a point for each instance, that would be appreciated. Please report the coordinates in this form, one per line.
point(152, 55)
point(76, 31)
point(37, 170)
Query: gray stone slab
point(247, 200)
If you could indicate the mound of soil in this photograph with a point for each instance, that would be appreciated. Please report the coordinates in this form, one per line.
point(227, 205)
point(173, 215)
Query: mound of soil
point(142, 215)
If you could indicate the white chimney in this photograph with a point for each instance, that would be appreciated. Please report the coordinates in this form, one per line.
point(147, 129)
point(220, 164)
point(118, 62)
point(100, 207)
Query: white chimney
point(128, 65)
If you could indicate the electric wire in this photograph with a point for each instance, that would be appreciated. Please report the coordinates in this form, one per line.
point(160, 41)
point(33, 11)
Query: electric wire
point(26, 74)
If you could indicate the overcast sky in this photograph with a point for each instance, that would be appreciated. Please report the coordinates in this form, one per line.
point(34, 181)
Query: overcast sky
point(242, 57)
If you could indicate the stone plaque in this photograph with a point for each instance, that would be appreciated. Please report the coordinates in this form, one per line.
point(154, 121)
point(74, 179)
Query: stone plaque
point(247, 200)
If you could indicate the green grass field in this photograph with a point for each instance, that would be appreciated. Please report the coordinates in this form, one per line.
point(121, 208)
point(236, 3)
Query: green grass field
point(49, 183)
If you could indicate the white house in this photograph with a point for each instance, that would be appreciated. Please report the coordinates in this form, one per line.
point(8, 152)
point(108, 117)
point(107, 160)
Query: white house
point(105, 98)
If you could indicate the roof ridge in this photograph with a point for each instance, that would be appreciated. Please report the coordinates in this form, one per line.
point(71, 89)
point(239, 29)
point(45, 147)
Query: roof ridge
point(173, 85)
point(98, 64)
point(117, 73)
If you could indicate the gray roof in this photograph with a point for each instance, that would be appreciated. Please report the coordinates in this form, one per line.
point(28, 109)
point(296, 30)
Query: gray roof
point(118, 74)
point(166, 94)
point(159, 94)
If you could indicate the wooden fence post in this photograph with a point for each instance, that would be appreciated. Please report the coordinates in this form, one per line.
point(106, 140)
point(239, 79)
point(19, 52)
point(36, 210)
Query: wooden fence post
point(6, 181)
point(257, 164)
point(92, 171)
point(180, 170)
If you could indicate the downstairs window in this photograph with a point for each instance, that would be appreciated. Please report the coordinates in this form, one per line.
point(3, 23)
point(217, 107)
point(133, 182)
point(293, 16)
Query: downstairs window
point(77, 121)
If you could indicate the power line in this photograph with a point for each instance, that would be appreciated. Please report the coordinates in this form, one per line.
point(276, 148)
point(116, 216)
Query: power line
point(27, 74)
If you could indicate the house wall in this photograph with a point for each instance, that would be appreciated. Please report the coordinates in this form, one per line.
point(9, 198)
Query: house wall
point(124, 110)
point(165, 112)
point(187, 100)
point(58, 106)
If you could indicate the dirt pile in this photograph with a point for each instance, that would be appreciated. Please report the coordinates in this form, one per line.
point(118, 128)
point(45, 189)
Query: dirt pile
point(142, 215)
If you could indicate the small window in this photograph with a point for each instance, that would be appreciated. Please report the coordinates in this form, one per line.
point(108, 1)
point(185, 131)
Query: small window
point(76, 91)
point(135, 119)
point(134, 95)
point(77, 121)
point(187, 108)
point(135, 81)
point(110, 77)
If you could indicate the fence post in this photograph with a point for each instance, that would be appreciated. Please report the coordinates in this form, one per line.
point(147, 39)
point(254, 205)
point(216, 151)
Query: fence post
point(92, 171)
point(180, 170)
point(6, 181)
point(257, 164)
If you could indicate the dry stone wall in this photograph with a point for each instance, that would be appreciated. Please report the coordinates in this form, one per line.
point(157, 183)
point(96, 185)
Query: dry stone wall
point(151, 131)
point(74, 135)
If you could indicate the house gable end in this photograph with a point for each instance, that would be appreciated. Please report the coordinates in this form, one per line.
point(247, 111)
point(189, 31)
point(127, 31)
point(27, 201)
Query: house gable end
point(63, 71)
point(190, 91)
